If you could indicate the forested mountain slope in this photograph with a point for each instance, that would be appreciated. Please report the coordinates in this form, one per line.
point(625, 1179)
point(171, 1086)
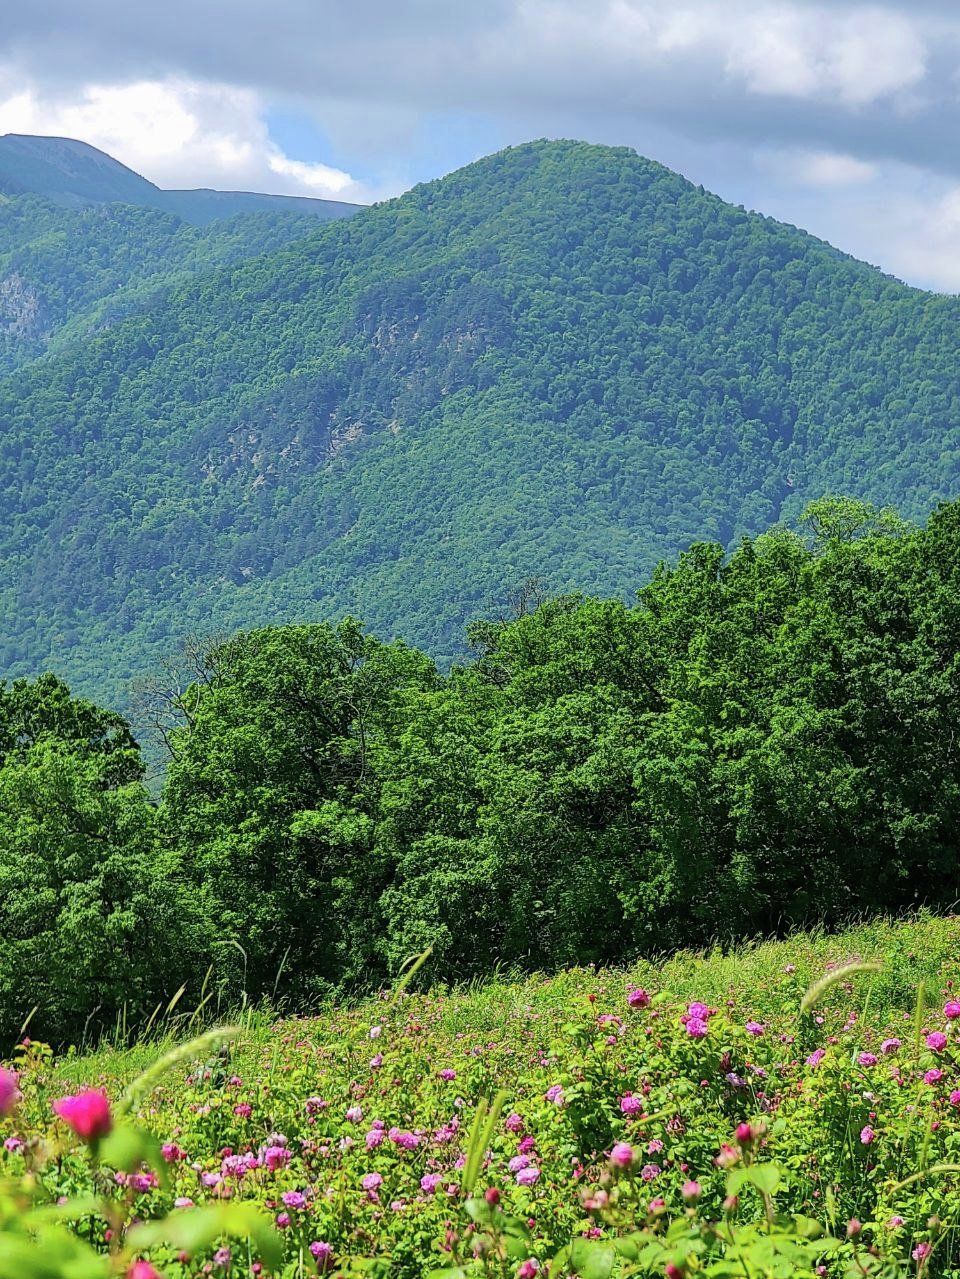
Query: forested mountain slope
point(563, 360)
point(68, 273)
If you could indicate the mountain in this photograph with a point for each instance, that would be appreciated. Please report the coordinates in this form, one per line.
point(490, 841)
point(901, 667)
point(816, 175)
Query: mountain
point(77, 175)
point(85, 241)
point(67, 273)
point(563, 361)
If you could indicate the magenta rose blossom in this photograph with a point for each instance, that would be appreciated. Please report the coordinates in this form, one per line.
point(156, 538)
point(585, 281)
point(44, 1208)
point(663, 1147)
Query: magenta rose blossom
point(322, 1253)
point(87, 1113)
point(622, 1155)
point(9, 1092)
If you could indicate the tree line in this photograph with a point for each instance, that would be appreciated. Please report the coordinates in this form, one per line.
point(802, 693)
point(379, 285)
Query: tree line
point(762, 740)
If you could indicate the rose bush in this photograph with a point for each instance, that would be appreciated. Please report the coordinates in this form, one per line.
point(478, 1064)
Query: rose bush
point(572, 1129)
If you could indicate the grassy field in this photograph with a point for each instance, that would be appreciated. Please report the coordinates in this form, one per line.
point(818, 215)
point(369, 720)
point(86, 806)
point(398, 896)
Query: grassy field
point(679, 1117)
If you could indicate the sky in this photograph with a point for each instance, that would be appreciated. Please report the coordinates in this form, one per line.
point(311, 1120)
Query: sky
point(839, 117)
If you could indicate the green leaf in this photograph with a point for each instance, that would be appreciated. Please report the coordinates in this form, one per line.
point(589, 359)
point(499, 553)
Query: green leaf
point(627, 1247)
point(54, 1255)
point(127, 1149)
point(479, 1210)
point(766, 1177)
point(592, 1259)
point(196, 1228)
point(517, 1248)
point(72, 1210)
point(807, 1227)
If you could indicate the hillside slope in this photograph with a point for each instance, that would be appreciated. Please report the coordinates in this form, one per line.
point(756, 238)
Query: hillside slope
point(67, 273)
point(563, 360)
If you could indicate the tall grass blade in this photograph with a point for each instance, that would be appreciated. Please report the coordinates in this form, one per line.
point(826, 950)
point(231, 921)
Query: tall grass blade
point(933, 1171)
point(195, 1015)
point(30, 1016)
point(145, 1034)
point(481, 1130)
point(919, 1013)
point(276, 980)
point(819, 988)
point(175, 1000)
point(411, 966)
point(189, 1051)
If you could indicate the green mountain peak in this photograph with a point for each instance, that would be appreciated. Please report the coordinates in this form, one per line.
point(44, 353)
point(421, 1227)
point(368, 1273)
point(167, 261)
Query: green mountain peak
point(562, 361)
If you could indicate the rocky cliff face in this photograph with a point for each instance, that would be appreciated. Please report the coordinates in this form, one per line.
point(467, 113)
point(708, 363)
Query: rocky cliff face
point(22, 311)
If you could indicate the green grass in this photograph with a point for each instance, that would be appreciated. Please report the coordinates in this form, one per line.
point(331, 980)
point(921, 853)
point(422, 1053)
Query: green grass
point(752, 978)
point(855, 1104)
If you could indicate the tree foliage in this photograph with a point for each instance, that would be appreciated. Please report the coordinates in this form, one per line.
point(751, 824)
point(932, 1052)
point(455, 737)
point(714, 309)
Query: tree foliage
point(763, 739)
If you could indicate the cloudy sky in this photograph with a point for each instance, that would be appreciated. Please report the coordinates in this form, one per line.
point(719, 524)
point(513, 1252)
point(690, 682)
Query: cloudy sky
point(838, 116)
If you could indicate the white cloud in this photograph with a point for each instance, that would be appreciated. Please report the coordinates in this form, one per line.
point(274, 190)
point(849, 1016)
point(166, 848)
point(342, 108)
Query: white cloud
point(827, 169)
point(314, 177)
point(818, 168)
point(178, 133)
point(853, 58)
point(921, 239)
point(838, 115)
point(898, 217)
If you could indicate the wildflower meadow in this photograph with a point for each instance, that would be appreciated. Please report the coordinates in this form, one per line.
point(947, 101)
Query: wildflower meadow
point(788, 1109)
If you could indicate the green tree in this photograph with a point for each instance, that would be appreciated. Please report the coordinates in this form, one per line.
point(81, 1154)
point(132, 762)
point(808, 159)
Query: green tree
point(91, 919)
point(271, 800)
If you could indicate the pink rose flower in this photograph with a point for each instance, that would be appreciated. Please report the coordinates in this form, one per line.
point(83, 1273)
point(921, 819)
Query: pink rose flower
point(87, 1113)
point(9, 1091)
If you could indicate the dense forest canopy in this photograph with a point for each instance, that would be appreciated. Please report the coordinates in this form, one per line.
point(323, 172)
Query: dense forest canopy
point(761, 739)
point(563, 361)
point(66, 274)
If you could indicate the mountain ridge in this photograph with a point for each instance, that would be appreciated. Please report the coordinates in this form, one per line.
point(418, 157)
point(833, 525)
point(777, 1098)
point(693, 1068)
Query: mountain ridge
point(76, 174)
point(563, 361)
